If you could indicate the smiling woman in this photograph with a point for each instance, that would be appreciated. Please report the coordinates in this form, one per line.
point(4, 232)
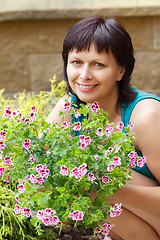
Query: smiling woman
point(98, 63)
point(93, 76)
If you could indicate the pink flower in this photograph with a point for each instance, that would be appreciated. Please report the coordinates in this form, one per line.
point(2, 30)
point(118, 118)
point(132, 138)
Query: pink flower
point(34, 109)
point(21, 188)
point(17, 209)
point(99, 132)
point(91, 176)
point(33, 178)
point(32, 158)
point(67, 106)
point(32, 116)
point(64, 125)
point(26, 143)
point(105, 179)
point(17, 199)
point(76, 215)
point(132, 154)
point(108, 130)
point(116, 210)
point(7, 179)
point(42, 169)
point(110, 149)
point(27, 120)
point(110, 167)
point(38, 167)
point(46, 221)
point(64, 170)
point(94, 107)
point(26, 212)
point(40, 214)
point(117, 161)
point(8, 112)
point(97, 230)
point(49, 211)
point(130, 124)
point(2, 170)
point(76, 113)
point(3, 134)
point(77, 126)
point(141, 161)
point(87, 140)
point(79, 172)
point(83, 146)
point(40, 180)
point(7, 160)
point(82, 138)
point(55, 220)
point(2, 145)
point(120, 125)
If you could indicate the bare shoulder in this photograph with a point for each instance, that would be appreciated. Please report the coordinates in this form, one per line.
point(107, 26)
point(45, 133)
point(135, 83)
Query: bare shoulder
point(54, 114)
point(146, 111)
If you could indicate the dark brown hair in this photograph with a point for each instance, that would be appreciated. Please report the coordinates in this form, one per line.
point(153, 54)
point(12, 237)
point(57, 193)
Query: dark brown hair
point(109, 35)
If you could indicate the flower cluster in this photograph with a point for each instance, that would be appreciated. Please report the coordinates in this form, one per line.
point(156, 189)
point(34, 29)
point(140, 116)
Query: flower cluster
point(116, 210)
point(76, 215)
point(43, 171)
point(67, 106)
point(48, 217)
point(105, 229)
point(80, 171)
point(10, 114)
point(94, 107)
point(26, 143)
point(84, 140)
point(64, 170)
point(140, 162)
point(59, 169)
point(21, 187)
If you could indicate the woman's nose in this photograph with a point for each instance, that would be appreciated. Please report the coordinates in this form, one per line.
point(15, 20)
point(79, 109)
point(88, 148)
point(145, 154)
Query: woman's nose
point(85, 73)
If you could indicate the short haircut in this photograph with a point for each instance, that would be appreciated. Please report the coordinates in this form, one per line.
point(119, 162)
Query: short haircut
point(106, 34)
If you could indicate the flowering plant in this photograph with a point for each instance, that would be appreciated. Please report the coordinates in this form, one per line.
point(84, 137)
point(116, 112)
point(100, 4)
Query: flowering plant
point(57, 167)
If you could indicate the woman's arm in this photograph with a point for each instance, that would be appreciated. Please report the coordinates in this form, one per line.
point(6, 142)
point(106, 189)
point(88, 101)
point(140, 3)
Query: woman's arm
point(141, 195)
point(146, 120)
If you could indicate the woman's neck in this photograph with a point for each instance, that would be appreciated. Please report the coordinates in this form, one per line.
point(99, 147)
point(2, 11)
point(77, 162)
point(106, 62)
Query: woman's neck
point(113, 108)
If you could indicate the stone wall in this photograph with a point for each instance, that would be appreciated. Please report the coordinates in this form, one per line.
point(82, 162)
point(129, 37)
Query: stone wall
point(31, 40)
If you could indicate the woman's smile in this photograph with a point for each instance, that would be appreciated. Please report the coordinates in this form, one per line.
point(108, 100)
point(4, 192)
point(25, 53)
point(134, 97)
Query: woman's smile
point(86, 88)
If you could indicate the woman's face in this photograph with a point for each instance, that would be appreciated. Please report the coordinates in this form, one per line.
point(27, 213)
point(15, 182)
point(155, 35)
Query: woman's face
point(93, 76)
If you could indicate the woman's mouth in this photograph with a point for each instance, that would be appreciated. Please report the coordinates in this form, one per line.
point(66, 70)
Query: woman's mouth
point(86, 87)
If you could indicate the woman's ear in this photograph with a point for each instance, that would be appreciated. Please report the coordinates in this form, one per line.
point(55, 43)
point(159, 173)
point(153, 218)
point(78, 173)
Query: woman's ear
point(121, 73)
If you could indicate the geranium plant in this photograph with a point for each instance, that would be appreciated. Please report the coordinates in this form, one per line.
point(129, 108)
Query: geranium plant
point(57, 168)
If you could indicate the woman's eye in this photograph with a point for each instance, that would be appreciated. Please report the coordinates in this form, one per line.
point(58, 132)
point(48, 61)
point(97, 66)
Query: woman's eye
point(99, 65)
point(76, 62)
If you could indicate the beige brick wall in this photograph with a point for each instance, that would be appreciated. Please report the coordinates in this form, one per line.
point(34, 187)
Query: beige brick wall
point(30, 48)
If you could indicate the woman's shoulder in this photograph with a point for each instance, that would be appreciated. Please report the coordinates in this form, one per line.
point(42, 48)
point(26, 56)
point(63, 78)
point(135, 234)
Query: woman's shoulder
point(146, 119)
point(145, 110)
point(59, 107)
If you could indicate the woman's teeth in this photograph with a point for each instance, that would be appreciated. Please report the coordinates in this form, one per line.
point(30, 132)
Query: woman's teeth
point(85, 86)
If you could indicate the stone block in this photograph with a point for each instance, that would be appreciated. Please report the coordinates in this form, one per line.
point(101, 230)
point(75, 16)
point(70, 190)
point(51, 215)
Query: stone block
point(14, 75)
point(147, 70)
point(156, 33)
point(42, 68)
point(32, 36)
point(140, 29)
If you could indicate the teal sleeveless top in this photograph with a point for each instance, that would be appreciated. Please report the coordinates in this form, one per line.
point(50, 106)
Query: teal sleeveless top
point(126, 111)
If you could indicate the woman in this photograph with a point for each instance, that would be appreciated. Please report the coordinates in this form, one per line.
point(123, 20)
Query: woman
point(98, 63)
